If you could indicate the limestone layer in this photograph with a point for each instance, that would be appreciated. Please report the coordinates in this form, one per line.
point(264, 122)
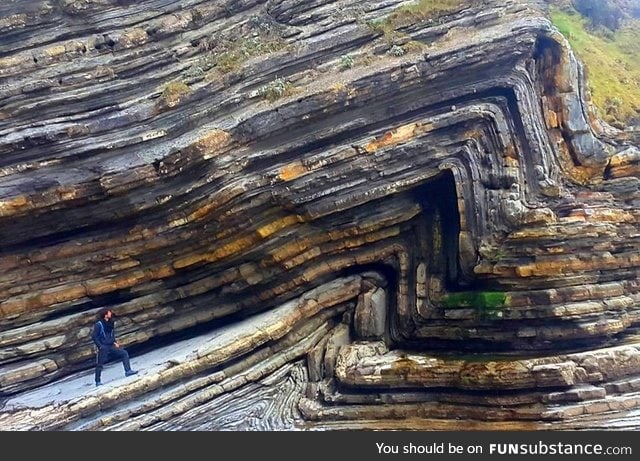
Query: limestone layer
point(383, 216)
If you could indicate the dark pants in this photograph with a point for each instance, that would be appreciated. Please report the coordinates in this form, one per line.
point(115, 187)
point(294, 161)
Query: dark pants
point(106, 353)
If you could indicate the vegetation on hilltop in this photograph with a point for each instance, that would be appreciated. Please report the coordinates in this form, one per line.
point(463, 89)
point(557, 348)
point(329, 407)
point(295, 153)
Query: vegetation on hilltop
point(606, 38)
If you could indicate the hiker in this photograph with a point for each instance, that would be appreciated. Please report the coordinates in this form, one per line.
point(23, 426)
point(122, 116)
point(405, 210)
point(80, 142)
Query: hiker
point(104, 336)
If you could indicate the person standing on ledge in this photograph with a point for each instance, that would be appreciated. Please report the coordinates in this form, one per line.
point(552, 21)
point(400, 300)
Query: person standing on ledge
point(104, 336)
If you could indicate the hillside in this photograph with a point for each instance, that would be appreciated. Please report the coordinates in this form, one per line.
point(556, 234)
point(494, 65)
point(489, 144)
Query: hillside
point(610, 54)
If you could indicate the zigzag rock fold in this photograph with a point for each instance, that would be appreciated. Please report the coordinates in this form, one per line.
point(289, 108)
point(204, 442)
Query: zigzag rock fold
point(311, 214)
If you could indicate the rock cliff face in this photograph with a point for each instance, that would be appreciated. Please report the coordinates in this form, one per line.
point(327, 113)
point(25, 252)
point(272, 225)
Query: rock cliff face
point(316, 213)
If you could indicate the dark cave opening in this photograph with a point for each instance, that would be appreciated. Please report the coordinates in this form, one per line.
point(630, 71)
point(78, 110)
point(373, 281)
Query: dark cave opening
point(548, 56)
point(438, 228)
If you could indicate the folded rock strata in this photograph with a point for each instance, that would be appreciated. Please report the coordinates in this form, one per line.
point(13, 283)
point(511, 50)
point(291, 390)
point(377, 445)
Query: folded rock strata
point(312, 212)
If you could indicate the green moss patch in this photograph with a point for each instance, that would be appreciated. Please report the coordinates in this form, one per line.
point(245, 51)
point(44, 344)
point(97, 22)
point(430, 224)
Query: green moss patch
point(481, 300)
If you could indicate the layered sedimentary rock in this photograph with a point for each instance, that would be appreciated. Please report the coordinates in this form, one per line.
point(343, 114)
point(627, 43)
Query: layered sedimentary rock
point(311, 214)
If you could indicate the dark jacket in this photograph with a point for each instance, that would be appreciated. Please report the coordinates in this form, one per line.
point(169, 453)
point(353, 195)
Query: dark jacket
point(104, 333)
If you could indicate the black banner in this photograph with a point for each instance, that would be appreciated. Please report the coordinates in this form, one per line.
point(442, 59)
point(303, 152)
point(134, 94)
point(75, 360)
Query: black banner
point(329, 445)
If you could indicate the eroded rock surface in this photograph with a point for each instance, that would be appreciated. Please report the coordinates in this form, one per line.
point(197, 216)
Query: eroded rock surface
point(330, 213)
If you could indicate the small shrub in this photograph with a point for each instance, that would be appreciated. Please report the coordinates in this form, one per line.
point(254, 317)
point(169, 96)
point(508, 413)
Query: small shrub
point(346, 62)
point(275, 89)
point(396, 50)
point(173, 93)
point(228, 62)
